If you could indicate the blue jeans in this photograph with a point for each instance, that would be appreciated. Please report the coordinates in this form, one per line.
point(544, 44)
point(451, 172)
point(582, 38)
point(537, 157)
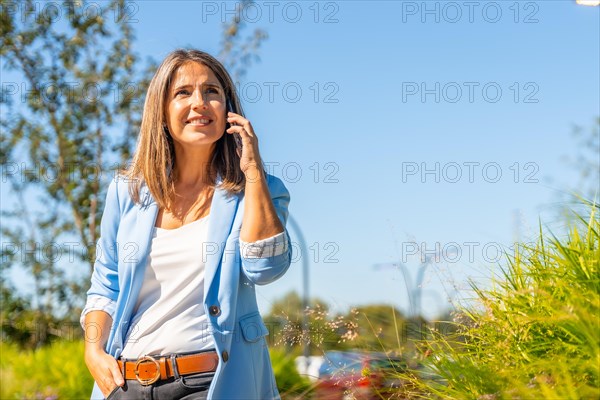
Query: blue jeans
point(189, 387)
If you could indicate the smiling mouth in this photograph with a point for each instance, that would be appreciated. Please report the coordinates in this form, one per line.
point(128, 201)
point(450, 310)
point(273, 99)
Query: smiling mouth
point(199, 121)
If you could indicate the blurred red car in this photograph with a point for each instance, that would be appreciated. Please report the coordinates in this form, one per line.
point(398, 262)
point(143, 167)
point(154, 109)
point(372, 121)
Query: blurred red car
point(355, 375)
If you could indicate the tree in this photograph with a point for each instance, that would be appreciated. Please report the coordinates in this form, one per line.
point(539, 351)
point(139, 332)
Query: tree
point(284, 322)
point(587, 160)
point(383, 328)
point(74, 72)
point(239, 51)
point(76, 82)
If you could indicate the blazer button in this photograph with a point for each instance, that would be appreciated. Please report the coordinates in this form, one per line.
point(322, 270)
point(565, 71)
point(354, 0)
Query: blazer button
point(214, 310)
point(225, 356)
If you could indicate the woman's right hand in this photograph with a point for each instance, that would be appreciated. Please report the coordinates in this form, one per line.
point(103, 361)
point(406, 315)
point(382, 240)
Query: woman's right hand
point(104, 369)
point(102, 366)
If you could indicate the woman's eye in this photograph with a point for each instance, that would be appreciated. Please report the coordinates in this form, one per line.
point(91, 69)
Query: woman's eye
point(212, 90)
point(182, 92)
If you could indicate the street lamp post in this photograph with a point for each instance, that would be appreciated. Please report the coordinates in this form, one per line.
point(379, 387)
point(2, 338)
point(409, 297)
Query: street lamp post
point(413, 291)
point(305, 265)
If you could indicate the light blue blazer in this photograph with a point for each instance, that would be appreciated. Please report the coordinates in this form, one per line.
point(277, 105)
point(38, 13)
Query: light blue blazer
point(244, 370)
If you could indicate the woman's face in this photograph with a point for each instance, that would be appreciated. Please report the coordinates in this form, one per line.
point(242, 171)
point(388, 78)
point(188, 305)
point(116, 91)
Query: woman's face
point(195, 106)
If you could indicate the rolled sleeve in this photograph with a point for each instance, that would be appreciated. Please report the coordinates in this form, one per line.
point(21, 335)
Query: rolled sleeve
point(98, 303)
point(266, 260)
point(269, 247)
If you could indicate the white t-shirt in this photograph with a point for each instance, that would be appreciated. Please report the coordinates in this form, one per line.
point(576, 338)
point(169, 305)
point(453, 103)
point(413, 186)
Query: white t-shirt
point(169, 316)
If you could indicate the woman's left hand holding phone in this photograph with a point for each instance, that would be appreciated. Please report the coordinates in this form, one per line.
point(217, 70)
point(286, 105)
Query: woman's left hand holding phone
point(250, 157)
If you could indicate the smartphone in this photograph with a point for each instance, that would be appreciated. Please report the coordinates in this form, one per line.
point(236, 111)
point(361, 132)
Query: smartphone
point(236, 136)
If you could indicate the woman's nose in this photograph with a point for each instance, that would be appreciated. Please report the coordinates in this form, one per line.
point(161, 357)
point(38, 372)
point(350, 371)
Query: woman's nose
point(198, 100)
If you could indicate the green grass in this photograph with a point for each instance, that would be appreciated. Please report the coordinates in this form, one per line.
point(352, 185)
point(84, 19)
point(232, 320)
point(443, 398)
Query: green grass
point(535, 334)
point(56, 371)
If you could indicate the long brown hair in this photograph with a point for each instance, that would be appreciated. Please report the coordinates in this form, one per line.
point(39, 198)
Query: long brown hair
point(154, 158)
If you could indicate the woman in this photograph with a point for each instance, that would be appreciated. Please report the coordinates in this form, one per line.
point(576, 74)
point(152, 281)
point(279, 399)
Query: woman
point(186, 233)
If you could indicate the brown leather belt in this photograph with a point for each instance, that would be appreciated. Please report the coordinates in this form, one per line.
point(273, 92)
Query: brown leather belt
point(147, 370)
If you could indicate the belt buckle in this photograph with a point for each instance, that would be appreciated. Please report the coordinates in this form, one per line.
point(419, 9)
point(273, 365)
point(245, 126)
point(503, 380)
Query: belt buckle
point(149, 381)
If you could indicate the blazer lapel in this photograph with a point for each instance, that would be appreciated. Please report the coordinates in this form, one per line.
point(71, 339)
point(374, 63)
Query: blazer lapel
point(222, 212)
point(144, 227)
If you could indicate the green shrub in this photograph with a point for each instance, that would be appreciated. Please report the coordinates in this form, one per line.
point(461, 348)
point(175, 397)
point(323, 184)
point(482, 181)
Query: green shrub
point(534, 335)
point(289, 381)
point(56, 371)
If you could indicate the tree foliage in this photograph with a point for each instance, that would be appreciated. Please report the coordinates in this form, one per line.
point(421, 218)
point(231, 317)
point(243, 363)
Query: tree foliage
point(587, 160)
point(74, 82)
point(71, 102)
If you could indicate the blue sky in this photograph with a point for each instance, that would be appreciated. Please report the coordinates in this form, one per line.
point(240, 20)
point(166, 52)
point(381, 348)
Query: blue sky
point(504, 84)
point(358, 210)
